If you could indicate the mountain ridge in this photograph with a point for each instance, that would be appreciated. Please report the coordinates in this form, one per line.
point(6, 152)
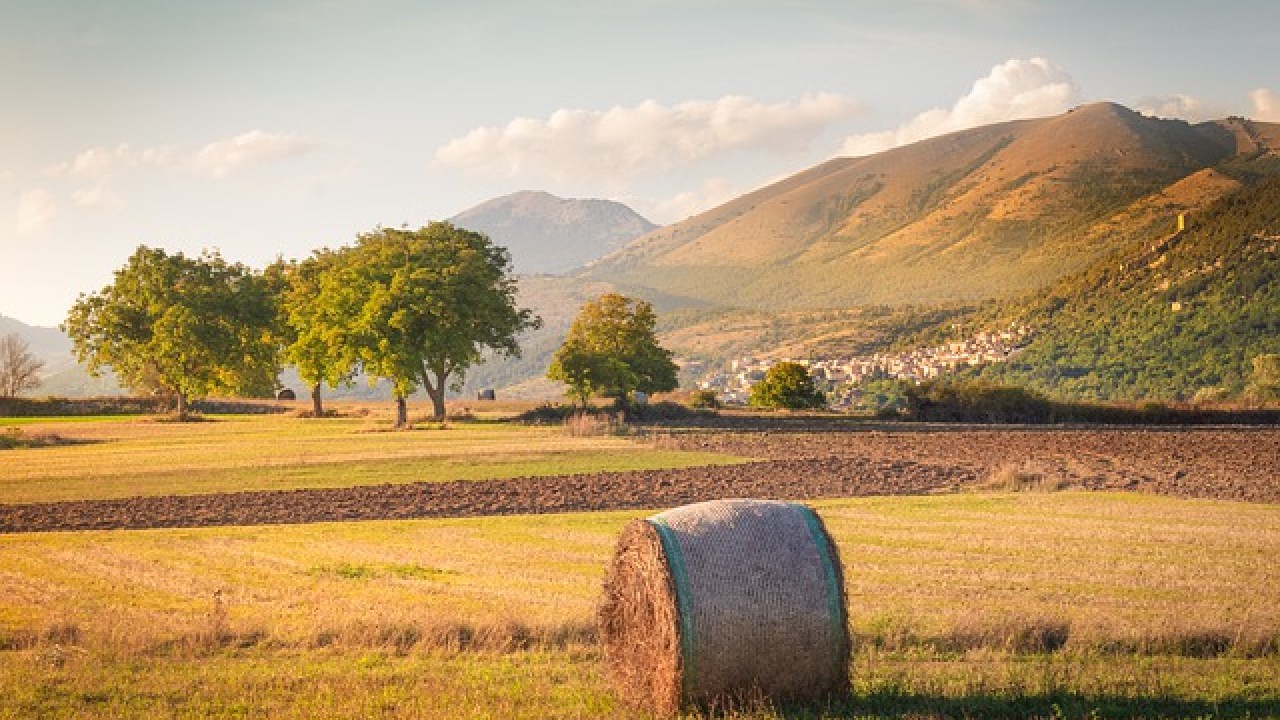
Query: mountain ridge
point(964, 217)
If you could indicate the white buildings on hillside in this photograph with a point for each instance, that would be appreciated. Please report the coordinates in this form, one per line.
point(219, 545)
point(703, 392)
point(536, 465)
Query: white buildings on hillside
point(842, 375)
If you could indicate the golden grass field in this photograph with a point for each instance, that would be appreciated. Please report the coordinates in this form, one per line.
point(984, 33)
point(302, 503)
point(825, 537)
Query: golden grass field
point(1067, 604)
point(131, 456)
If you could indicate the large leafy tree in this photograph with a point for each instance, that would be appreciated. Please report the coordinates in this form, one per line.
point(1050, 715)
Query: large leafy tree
point(316, 314)
point(187, 327)
point(430, 302)
point(786, 385)
point(612, 350)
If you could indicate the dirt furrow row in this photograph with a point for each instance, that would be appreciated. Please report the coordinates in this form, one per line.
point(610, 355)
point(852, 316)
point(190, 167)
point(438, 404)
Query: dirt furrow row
point(792, 479)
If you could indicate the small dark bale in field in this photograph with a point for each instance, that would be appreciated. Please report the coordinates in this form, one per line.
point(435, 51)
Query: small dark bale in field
point(286, 394)
point(722, 603)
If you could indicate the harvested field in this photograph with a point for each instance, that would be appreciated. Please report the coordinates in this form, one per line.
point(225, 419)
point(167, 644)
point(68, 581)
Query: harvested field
point(799, 463)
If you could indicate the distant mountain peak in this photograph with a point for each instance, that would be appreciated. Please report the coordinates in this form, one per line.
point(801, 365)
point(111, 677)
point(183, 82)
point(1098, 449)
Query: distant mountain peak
point(975, 214)
point(550, 234)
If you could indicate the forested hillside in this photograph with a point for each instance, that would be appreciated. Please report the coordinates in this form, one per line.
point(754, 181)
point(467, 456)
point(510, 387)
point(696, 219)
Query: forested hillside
point(1180, 315)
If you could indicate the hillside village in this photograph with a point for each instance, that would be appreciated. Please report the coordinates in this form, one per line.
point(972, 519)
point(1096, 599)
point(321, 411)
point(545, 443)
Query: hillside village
point(841, 377)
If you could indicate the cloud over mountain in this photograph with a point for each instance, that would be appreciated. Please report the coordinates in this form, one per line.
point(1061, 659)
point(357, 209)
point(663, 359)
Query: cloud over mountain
point(1181, 107)
point(626, 142)
point(1266, 105)
point(711, 193)
point(1013, 90)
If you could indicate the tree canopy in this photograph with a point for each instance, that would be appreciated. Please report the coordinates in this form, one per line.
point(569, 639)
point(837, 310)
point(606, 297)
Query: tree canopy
point(185, 327)
point(612, 350)
point(786, 385)
point(316, 313)
point(424, 305)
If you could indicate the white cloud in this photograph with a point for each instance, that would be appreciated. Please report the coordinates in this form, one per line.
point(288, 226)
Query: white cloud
point(95, 163)
point(255, 147)
point(1266, 105)
point(1013, 90)
point(625, 142)
point(1181, 107)
point(37, 210)
point(100, 163)
point(713, 192)
point(98, 196)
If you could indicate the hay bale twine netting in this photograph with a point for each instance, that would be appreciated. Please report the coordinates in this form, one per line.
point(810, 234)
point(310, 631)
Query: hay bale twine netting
point(722, 601)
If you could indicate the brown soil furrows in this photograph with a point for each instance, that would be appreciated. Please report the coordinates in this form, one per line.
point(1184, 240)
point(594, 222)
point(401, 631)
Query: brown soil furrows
point(798, 463)
point(1229, 464)
point(803, 478)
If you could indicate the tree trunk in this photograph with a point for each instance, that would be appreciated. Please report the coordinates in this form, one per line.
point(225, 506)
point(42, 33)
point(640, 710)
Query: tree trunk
point(437, 403)
point(317, 407)
point(402, 412)
point(182, 406)
point(435, 391)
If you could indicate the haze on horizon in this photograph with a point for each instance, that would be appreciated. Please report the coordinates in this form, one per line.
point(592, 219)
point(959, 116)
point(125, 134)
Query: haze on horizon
point(275, 128)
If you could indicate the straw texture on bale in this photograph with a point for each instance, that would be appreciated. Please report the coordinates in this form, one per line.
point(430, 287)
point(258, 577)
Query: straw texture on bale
point(724, 602)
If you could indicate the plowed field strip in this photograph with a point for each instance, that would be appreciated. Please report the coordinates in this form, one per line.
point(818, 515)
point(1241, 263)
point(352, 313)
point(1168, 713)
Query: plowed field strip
point(791, 479)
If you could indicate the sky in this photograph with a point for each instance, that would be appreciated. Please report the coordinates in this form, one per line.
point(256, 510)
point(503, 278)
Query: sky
point(266, 128)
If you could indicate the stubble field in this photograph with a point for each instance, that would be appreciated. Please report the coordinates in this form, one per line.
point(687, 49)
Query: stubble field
point(967, 598)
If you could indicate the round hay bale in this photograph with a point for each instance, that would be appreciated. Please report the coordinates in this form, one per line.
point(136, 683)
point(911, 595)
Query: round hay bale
point(726, 601)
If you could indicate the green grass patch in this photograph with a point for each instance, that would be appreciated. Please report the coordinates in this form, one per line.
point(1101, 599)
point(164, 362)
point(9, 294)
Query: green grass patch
point(115, 459)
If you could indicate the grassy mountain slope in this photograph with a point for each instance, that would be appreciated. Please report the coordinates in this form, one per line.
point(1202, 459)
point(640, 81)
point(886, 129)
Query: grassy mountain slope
point(1163, 319)
point(977, 214)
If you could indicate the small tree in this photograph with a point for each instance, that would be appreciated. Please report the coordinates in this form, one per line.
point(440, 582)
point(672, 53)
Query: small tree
point(786, 385)
point(612, 350)
point(19, 368)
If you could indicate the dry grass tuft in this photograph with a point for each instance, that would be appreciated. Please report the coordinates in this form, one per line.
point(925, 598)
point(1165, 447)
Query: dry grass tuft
point(1031, 635)
point(14, 438)
point(583, 424)
point(402, 637)
point(1021, 477)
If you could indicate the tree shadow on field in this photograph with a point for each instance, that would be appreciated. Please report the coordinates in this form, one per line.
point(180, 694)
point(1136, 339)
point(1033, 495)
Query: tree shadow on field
point(893, 704)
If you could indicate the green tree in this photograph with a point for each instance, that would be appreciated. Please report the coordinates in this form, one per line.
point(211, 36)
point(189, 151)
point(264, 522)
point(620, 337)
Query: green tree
point(430, 302)
point(317, 313)
point(786, 385)
point(612, 350)
point(184, 327)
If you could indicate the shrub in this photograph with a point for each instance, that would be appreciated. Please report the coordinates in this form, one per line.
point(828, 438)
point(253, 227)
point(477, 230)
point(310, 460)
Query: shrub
point(704, 399)
point(787, 385)
point(976, 401)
